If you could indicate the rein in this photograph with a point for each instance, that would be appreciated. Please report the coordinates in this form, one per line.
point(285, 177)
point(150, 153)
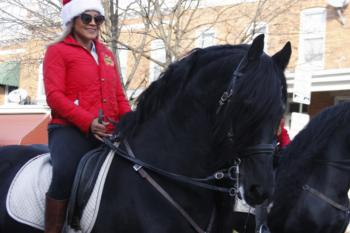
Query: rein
point(166, 195)
point(339, 164)
point(326, 199)
point(232, 173)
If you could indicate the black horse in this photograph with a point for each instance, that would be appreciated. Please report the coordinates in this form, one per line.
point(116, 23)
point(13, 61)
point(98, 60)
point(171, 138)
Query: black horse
point(313, 178)
point(207, 111)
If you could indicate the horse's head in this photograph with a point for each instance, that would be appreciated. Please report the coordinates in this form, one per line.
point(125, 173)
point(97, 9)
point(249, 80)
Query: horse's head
point(216, 105)
point(318, 151)
point(247, 120)
point(313, 176)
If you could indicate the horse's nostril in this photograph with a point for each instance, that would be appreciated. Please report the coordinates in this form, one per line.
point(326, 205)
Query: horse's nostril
point(258, 191)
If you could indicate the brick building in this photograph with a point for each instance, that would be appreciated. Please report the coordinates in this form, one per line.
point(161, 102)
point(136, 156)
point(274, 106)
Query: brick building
point(319, 34)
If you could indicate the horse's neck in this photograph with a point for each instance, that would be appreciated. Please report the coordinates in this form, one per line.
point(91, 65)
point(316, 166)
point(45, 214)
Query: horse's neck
point(330, 180)
point(183, 149)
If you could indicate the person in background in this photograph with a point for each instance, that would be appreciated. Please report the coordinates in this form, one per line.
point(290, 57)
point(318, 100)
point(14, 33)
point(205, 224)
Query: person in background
point(81, 83)
point(282, 135)
point(283, 141)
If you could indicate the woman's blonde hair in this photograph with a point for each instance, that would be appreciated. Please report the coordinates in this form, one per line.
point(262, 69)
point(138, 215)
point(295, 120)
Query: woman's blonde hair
point(67, 30)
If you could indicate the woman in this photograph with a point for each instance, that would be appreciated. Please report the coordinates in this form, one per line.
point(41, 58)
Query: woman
point(81, 83)
point(282, 135)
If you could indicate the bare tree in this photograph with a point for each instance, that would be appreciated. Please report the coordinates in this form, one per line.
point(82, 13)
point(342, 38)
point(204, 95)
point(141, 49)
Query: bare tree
point(135, 25)
point(23, 20)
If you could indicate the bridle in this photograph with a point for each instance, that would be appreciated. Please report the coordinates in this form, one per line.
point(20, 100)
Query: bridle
point(231, 173)
point(341, 165)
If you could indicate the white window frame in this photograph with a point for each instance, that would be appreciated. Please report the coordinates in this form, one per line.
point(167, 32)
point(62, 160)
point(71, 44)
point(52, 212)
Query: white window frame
point(201, 37)
point(40, 93)
point(157, 53)
point(123, 63)
point(288, 112)
point(305, 35)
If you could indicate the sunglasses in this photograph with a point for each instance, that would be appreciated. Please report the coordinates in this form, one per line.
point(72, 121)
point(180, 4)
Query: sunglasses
point(86, 19)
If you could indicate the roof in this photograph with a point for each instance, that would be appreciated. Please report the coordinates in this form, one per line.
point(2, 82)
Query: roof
point(23, 129)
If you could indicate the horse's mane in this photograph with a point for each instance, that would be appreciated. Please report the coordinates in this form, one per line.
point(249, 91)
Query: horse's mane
point(309, 144)
point(209, 71)
point(158, 93)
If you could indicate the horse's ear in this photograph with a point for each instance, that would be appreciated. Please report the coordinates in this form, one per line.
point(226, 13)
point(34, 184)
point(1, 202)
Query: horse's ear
point(257, 48)
point(282, 57)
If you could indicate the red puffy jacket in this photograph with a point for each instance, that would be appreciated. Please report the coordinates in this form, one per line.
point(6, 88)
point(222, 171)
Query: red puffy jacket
point(283, 137)
point(77, 87)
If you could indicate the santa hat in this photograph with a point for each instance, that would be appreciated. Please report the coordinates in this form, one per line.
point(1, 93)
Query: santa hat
point(73, 8)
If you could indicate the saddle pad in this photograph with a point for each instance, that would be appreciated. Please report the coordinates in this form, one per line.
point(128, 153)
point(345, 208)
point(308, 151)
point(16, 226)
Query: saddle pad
point(26, 197)
point(25, 201)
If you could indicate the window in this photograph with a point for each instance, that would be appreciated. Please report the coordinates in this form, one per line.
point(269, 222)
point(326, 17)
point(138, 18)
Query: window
point(297, 107)
point(293, 107)
point(206, 38)
point(40, 96)
point(312, 38)
point(158, 54)
point(123, 62)
point(9, 73)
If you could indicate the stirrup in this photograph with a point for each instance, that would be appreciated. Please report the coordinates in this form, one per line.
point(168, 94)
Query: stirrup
point(263, 229)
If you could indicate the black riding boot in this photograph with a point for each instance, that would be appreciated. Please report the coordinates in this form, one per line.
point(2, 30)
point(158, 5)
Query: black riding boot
point(55, 214)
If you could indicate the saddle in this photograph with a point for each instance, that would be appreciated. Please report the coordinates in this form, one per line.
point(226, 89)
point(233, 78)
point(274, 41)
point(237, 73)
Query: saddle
point(26, 196)
point(84, 183)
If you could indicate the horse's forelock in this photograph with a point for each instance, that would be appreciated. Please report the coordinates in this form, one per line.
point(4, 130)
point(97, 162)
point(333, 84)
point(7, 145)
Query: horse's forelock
point(254, 106)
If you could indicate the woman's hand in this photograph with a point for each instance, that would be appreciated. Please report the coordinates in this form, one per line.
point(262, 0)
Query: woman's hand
point(99, 129)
